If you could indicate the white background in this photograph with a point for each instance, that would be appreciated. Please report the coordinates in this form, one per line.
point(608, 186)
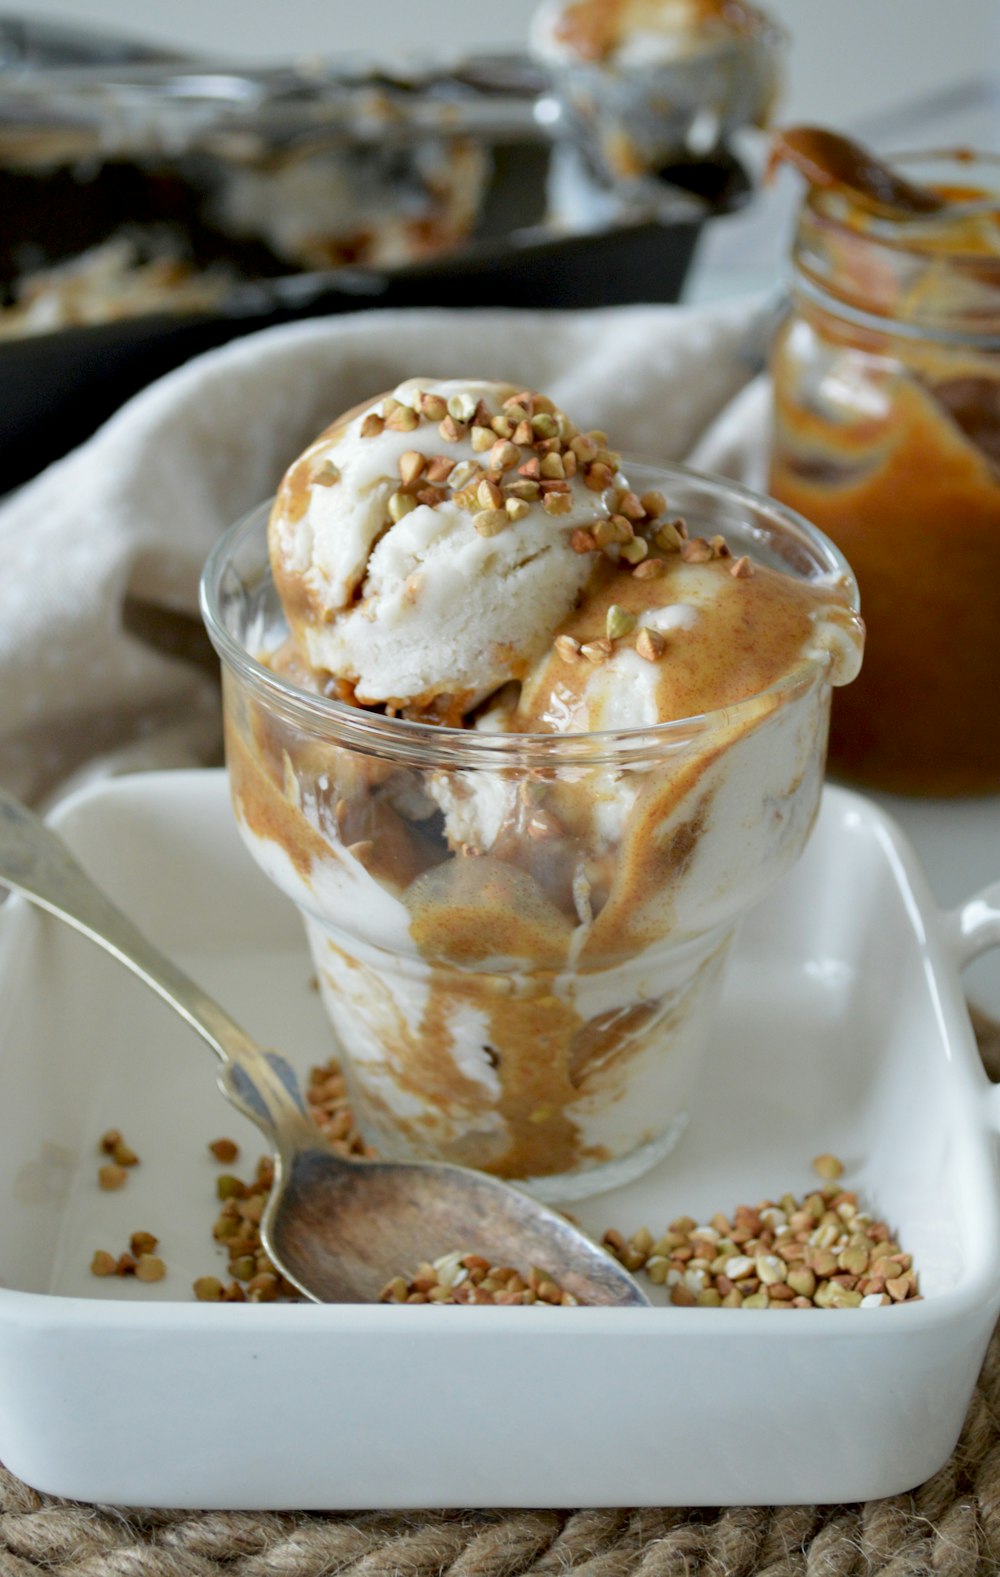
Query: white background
point(848, 58)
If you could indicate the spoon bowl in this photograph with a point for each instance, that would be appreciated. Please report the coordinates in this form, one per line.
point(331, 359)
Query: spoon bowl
point(338, 1229)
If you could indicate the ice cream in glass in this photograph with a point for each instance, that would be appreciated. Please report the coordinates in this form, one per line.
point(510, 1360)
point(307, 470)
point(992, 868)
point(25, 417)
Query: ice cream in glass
point(643, 84)
point(523, 728)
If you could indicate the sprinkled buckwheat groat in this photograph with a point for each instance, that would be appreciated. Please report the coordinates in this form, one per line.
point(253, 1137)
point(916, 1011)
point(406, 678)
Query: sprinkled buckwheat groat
point(140, 1261)
point(114, 1173)
point(471, 1279)
point(822, 1251)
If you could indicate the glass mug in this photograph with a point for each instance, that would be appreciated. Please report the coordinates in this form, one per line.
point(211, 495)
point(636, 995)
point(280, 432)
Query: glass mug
point(539, 1011)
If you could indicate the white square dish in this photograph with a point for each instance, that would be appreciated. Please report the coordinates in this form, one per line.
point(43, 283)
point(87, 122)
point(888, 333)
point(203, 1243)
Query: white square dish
point(843, 1028)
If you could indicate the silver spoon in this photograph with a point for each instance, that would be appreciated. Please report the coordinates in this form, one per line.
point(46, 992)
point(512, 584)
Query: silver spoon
point(337, 1229)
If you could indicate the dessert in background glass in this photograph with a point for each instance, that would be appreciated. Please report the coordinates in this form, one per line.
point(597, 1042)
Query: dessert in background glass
point(645, 83)
point(369, 204)
point(887, 435)
point(523, 730)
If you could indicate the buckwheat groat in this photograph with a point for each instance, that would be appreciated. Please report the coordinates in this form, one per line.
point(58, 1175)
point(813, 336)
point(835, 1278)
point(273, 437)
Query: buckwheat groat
point(531, 744)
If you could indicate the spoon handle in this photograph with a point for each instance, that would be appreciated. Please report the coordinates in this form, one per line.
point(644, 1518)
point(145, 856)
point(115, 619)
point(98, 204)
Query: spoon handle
point(36, 863)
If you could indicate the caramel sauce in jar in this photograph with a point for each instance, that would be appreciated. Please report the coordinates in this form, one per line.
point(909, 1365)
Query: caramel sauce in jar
point(887, 436)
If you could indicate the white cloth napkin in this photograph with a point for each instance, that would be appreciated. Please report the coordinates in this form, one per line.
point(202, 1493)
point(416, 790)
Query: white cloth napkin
point(102, 552)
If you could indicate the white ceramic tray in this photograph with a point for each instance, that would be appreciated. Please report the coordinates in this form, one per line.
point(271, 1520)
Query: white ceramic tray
point(843, 1029)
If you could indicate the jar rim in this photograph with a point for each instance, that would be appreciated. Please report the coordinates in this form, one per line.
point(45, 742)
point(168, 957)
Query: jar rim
point(912, 232)
point(886, 248)
point(415, 742)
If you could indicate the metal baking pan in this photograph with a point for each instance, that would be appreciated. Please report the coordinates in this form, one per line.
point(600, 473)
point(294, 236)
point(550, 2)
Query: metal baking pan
point(91, 150)
point(27, 44)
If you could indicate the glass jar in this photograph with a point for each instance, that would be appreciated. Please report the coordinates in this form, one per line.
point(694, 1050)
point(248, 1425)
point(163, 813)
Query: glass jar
point(519, 938)
point(887, 436)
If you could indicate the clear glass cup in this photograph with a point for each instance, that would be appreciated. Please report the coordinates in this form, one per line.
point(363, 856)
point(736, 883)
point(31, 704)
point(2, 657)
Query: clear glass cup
point(886, 379)
point(636, 102)
point(539, 1011)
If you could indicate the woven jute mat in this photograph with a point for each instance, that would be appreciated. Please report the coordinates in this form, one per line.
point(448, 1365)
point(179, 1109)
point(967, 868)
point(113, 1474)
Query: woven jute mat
point(947, 1527)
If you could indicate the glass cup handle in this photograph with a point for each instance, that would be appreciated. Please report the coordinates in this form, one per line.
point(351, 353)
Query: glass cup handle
point(970, 930)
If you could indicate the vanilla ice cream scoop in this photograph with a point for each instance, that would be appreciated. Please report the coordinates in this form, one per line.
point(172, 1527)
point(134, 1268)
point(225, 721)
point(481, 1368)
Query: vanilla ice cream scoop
point(428, 545)
point(689, 630)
